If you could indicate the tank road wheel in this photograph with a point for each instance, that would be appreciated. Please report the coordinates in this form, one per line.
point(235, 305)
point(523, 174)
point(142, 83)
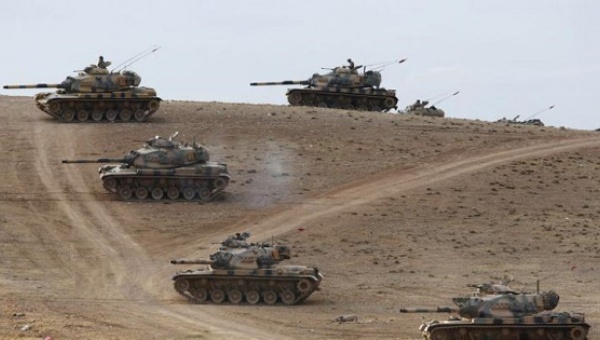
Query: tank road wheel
point(125, 193)
point(68, 115)
point(54, 108)
point(157, 194)
point(189, 193)
point(220, 183)
point(83, 115)
point(335, 104)
point(288, 297)
point(270, 297)
point(252, 297)
point(304, 286)
point(173, 193)
point(295, 98)
point(110, 184)
point(153, 105)
point(205, 194)
point(577, 333)
point(348, 106)
point(235, 296)
point(141, 193)
point(309, 99)
point(217, 295)
point(321, 102)
point(125, 115)
point(389, 103)
point(182, 284)
point(362, 107)
point(375, 108)
point(111, 115)
point(440, 335)
point(97, 115)
point(139, 115)
point(200, 294)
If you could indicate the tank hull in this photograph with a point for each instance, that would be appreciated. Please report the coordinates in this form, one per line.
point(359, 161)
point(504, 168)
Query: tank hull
point(196, 182)
point(136, 104)
point(427, 112)
point(286, 285)
point(361, 98)
point(543, 326)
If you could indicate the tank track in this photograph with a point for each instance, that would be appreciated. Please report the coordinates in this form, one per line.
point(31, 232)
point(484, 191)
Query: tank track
point(97, 109)
point(170, 188)
point(508, 331)
point(244, 289)
point(349, 99)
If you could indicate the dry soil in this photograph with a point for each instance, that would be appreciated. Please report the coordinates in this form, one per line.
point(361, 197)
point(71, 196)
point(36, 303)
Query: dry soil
point(395, 210)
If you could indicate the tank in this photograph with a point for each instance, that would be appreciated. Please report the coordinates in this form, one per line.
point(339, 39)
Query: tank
point(95, 94)
point(498, 312)
point(431, 111)
point(163, 169)
point(530, 120)
point(535, 121)
point(345, 87)
point(419, 108)
point(242, 272)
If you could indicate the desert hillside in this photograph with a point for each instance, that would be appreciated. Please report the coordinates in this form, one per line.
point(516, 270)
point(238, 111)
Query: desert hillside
point(395, 210)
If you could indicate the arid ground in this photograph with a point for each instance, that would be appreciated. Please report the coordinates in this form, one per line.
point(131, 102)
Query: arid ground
point(395, 210)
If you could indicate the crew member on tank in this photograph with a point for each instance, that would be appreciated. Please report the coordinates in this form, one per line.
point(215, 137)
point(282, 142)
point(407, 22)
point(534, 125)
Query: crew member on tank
point(351, 66)
point(103, 64)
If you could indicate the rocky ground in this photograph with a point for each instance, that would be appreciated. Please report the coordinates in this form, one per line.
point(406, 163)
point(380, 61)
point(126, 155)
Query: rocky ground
point(395, 210)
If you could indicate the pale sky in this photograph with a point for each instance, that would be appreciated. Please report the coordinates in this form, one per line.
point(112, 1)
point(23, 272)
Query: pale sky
point(506, 57)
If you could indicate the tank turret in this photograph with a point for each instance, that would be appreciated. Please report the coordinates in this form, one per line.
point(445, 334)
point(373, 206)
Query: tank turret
point(419, 108)
point(499, 305)
point(343, 87)
point(510, 315)
point(249, 271)
point(96, 94)
point(249, 256)
point(163, 168)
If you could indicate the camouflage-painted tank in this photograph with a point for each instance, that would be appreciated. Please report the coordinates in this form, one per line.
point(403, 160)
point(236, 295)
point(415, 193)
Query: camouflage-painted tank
point(528, 121)
point(499, 313)
point(535, 121)
point(344, 87)
point(163, 169)
point(246, 272)
point(95, 94)
point(419, 109)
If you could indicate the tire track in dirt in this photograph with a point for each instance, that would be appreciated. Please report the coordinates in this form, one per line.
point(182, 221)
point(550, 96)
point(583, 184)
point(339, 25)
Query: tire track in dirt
point(392, 182)
point(115, 253)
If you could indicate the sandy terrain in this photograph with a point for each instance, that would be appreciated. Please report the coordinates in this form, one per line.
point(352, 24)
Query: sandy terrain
point(394, 210)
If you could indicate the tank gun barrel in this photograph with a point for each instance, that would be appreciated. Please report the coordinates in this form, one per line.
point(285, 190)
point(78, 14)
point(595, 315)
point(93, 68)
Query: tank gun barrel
point(429, 310)
point(33, 86)
point(208, 262)
point(285, 82)
point(99, 160)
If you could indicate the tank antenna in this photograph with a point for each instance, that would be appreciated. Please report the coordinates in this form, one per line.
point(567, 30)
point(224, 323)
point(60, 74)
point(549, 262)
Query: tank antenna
point(537, 113)
point(383, 65)
point(436, 96)
point(446, 97)
point(122, 66)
